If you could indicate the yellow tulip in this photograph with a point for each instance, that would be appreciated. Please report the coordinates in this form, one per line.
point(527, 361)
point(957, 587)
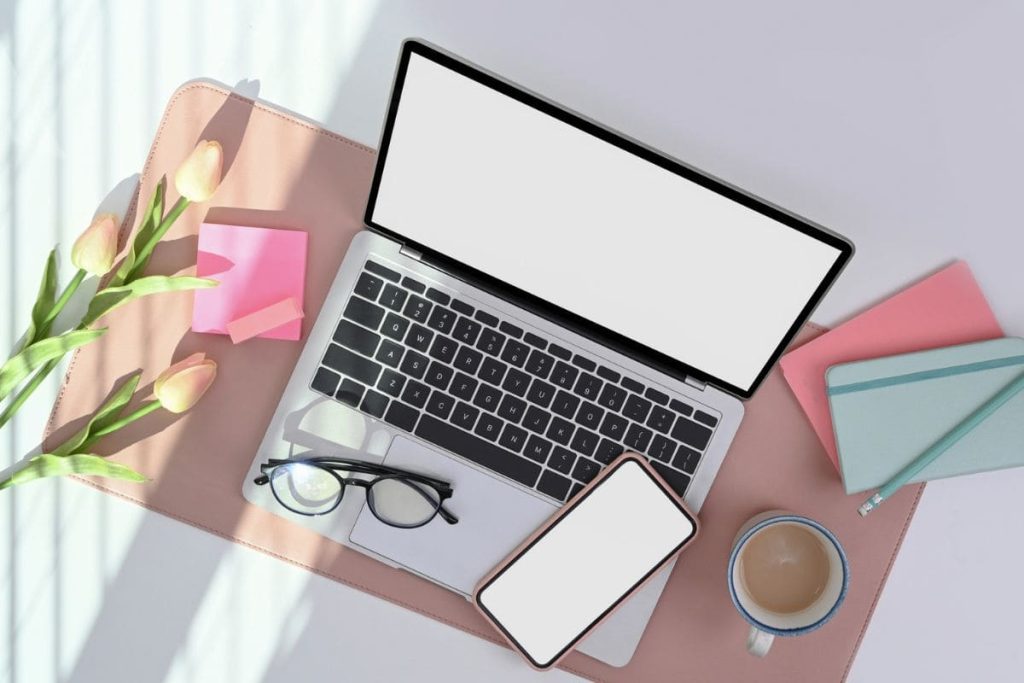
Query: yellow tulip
point(95, 249)
point(180, 386)
point(199, 175)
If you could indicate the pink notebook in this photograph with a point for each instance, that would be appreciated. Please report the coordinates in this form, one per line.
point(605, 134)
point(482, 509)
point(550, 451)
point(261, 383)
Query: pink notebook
point(944, 309)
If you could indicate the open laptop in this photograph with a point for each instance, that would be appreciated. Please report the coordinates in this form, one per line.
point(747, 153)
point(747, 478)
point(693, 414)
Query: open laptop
point(533, 295)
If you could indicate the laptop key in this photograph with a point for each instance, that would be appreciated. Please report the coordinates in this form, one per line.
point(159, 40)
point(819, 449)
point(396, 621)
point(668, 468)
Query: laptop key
point(680, 407)
point(554, 485)
point(512, 408)
point(417, 308)
point(691, 433)
point(364, 312)
point(443, 349)
point(516, 382)
point(661, 448)
point(512, 438)
point(468, 360)
point(561, 460)
point(492, 370)
point(486, 318)
point(612, 397)
point(416, 393)
point(576, 488)
point(608, 374)
point(466, 330)
point(584, 441)
point(660, 420)
point(393, 297)
point(368, 286)
point(540, 393)
point(536, 420)
point(565, 404)
point(465, 415)
point(706, 418)
point(462, 307)
point(351, 364)
point(487, 398)
point(539, 363)
point(537, 449)
point(614, 427)
point(442, 319)
point(677, 480)
point(488, 427)
point(585, 363)
point(633, 385)
point(356, 338)
point(585, 470)
point(515, 353)
point(440, 404)
point(394, 327)
point(638, 437)
point(391, 383)
point(414, 285)
point(438, 375)
point(377, 268)
point(419, 337)
point(636, 408)
point(401, 416)
point(588, 386)
point(560, 431)
point(589, 415)
point(415, 364)
point(438, 296)
point(390, 353)
point(564, 375)
point(510, 329)
point(686, 459)
point(325, 381)
point(463, 386)
point(374, 403)
point(478, 450)
point(350, 392)
point(656, 396)
point(560, 352)
point(490, 340)
point(533, 340)
point(608, 451)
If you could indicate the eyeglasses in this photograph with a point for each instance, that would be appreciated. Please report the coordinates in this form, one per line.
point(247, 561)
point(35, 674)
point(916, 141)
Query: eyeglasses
point(313, 486)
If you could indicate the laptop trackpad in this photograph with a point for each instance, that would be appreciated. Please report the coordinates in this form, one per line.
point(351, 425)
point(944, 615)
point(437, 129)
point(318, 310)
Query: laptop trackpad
point(494, 518)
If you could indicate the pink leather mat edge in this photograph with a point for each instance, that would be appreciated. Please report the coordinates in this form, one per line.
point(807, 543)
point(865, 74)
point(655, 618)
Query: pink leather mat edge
point(276, 166)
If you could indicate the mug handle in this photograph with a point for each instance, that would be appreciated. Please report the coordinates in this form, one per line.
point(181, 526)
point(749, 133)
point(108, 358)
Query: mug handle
point(759, 642)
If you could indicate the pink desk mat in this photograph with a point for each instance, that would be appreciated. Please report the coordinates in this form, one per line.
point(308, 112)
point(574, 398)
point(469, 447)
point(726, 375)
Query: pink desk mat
point(288, 172)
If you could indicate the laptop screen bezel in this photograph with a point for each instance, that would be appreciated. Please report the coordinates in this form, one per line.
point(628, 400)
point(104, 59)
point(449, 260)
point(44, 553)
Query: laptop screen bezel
point(615, 340)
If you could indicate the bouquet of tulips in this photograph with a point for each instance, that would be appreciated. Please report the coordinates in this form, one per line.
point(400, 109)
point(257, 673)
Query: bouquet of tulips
point(41, 348)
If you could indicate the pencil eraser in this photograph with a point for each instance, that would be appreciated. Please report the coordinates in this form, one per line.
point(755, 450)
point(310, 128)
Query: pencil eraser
point(264, 320)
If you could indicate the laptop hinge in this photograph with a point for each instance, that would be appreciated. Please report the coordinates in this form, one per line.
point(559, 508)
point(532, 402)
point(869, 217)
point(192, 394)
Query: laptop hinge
point(696, 383)
point(411, 253)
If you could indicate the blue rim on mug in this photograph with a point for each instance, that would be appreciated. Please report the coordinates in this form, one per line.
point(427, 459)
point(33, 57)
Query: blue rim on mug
point(734, 555)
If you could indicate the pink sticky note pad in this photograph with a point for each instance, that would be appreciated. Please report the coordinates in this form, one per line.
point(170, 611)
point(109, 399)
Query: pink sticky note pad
point(945, 309)
point(264, 320)
point(257, 268)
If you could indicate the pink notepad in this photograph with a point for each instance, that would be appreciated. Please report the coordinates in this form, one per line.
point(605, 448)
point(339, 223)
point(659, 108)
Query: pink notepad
point(944, 309)
point(257, 268)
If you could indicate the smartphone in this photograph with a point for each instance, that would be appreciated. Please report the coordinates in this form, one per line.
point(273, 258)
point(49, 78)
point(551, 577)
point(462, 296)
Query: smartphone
point(585, 561)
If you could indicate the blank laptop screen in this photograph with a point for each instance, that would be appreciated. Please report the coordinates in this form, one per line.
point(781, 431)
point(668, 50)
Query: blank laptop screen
point(496, 184)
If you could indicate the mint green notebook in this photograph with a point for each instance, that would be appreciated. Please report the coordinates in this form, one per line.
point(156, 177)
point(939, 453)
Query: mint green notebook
point(887, 411)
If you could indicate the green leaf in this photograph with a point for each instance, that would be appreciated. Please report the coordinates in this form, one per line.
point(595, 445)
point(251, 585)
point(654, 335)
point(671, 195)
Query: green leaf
point(106, 414)
point(44, 299)
point(113, 297)
point(50, 465)
point(154, 214)
point(19, 367)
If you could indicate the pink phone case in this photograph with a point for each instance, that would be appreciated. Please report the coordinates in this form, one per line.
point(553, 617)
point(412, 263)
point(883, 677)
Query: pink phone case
point(557, 517)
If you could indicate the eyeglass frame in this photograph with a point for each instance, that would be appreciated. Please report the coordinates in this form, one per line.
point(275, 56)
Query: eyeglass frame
point(444, 489)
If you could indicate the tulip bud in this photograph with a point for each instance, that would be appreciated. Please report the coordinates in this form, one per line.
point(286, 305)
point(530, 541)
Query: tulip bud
point(95, 249)
point(199, 175)
point(180, 386)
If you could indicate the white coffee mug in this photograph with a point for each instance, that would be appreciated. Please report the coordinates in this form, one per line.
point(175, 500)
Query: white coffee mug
point(766, 624)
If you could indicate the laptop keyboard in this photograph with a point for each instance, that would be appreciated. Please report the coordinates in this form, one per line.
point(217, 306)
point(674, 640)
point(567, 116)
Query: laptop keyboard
point(505, 398)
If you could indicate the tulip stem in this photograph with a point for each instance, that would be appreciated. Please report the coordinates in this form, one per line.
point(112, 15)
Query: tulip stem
point(158, 234)
point(26, 391)
point(58, 306)
point(140, 412)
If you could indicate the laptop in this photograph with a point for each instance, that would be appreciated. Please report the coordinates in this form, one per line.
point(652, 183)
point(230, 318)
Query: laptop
point(533, 295)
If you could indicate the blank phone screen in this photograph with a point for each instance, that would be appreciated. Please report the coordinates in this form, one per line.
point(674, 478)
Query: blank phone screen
point(582, 566)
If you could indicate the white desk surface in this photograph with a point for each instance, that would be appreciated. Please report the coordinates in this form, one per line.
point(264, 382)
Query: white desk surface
point(898, 124)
